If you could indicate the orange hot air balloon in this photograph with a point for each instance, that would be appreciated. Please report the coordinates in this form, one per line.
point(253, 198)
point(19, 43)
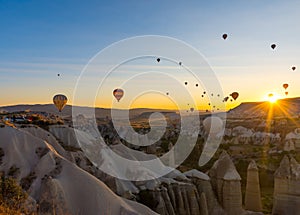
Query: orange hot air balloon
point(118, 93)
point(234, 95)
point(224, 36)
point(285, 86)
point(286, 93)
point(60, 101)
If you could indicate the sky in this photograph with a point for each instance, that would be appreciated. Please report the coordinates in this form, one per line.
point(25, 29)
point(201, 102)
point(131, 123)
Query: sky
point(40, 39)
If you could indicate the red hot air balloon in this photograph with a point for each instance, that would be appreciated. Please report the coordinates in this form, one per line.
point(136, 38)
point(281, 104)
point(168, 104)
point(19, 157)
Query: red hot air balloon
point(285, 86)
point(118, 93)
point(235, 95)
point(286, 93)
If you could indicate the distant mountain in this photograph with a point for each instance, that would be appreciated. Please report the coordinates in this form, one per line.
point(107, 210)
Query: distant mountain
point(67, 111)
point(289, 107)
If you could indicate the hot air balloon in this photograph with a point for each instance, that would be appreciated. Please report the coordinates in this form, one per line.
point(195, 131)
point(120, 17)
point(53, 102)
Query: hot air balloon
point(185, 83)
point(231, 100)
point(118, 93)
point(196, 85)
point(204, 92)
point(226, 98)
point(218, 95)
point(273, 46)
point(58, 74)
point(234, 95)
point(224, 36)
point(270, 95)
point(293, 68)
point(212, 94)
point(180, 63)
point(285, 86)
point(158, 59)
point(60, 101)
point(202, 95)
point(286, 93)
point(192, 109)
point(208, 103)
point(167, 93)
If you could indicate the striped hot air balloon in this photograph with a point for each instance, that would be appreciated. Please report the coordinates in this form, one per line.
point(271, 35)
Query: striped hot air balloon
point(118, 93)
point(60, 101)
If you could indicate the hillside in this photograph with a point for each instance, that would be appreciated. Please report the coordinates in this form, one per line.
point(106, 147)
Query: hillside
point(289, 107)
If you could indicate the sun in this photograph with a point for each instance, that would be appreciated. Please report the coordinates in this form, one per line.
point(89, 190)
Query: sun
point(272, 98)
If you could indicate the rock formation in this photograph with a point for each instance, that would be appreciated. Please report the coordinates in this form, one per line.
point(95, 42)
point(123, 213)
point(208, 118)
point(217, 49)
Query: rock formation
point(287, 188)
point(56, 184)
point(252, 195)
point(226, 184)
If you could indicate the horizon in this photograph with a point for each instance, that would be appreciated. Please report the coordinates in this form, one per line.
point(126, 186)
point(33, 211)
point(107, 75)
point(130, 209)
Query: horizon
point(155, 108)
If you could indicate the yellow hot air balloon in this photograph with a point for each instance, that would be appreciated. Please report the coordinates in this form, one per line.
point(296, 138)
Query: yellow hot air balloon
point(60, 101)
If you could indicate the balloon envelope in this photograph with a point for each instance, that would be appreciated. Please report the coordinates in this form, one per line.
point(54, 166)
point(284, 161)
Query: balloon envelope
point(118, 93)
point(293, 68)
point(224, 36)
point(273, 46)
point(285, 86)
point(158, 59)
point(60, 101)
point(286, 93)
point(235, 95)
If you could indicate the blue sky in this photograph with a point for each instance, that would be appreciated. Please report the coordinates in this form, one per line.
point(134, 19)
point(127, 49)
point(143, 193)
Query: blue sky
point(39, 39)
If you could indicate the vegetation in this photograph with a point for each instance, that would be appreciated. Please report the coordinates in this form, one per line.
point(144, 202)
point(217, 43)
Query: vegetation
point(12, 197)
